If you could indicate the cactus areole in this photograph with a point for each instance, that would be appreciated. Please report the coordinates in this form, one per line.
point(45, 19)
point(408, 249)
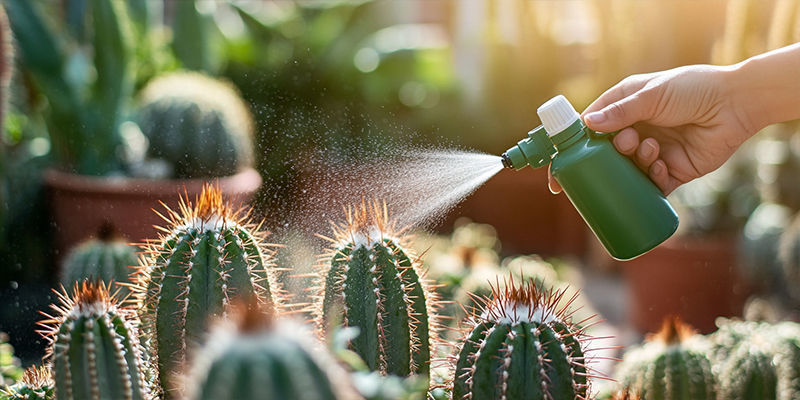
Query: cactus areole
point(94, 348)
point(208, 256)
point(372, 282)
point(36, 384)
point(522, 346)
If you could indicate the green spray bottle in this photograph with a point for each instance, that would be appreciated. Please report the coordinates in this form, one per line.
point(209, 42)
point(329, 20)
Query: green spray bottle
point(621, 205)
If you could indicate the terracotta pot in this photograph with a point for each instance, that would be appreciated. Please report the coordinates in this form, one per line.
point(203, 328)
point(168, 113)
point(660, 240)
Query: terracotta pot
point(527, 217)
point(80, 204)
point(692, 277)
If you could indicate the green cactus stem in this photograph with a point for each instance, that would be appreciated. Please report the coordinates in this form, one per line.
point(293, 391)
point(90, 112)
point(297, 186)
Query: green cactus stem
point(522, 346)
point(670, 365)
point(94, 348)
point(199, 125)
point(254, 356)
point(36, 384)
point(107, 257)
point(372, 281)
point(756, 360)
point(209, 255)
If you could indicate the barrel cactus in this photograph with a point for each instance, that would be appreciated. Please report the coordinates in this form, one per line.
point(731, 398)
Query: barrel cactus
point(521, 346)
point(371, 280)
point(94, 348)
point(255, 356)
point(756, 360)
point(209, 255)
point(199, 125)
point(106, 257)
point(36, 384)
point(670, 365)
point(758, 247)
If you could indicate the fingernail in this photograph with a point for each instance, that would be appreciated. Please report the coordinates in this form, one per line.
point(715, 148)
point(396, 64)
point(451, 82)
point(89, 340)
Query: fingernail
point(595, 117)
point(648, 149)
point(623, 144)
point(658, 168)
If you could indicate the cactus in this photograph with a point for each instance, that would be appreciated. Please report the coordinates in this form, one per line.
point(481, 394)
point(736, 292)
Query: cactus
point(789, 257)
point(10, 370)
point(36, 384)
point(209, 255)
point(94, 348)
point(756, 360)
point(199, 125)
point(372, 281)
point(254, 356)
point(671, 365)
point(758, 246)
point(107, 258)
point(521, 346)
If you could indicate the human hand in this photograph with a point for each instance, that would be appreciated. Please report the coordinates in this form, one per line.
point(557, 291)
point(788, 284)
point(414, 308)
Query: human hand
point(676, 125)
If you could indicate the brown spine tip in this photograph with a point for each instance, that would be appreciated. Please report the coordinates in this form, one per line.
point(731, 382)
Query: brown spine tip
point(37, 377)
point(250, 316)
point(210, 202)
point(107, 232)
point(673, 331)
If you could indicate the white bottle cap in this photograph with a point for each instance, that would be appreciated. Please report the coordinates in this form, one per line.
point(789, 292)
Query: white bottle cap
point(557, 114)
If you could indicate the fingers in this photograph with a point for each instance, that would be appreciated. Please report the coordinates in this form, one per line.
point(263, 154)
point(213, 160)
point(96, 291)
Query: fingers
point(637, 107)
point(624, 88)
point(660, 176)
point(645, 155)
point(552, 183)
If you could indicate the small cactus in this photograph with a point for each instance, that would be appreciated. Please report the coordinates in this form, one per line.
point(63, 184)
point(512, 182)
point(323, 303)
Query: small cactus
point(521, 346)
point(756, 360)
point(107, 258)
point(373, 282)
point(199, 125)
point(36, 384)
point(94, 349)
point(10, 370)
point(758, 246)
point(671, 365)
point(253, 356)
point(209, 255)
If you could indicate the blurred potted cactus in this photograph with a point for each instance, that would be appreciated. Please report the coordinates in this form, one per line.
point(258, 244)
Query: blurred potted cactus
point(86, 87)
point(694, 274)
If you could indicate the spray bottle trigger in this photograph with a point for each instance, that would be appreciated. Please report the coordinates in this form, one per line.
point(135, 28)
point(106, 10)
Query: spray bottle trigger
point(544, 149)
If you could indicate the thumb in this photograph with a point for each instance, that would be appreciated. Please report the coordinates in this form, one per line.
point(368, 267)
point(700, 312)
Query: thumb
point(622, 113)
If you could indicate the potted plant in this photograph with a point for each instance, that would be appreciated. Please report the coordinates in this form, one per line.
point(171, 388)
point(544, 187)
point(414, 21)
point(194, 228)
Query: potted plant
point(694, 274)
point(88, 109)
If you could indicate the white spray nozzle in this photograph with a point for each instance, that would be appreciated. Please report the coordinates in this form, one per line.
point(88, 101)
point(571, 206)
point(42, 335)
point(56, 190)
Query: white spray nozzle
point(557, 114)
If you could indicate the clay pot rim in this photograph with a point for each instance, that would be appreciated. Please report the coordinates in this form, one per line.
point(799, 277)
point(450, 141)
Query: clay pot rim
point(246, 180)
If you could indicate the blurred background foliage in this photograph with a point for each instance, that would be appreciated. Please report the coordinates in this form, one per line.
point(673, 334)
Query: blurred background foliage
point(321, 74)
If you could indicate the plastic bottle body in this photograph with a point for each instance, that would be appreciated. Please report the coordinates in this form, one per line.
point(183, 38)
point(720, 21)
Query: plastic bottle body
point(622, 206)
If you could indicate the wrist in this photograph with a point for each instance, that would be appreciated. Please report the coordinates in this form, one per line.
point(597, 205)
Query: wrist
point(765, 89)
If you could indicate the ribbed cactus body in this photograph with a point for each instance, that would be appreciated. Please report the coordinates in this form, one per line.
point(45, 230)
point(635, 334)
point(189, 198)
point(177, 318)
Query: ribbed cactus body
point(199, 125)
point(209, 257)
point(36, 384)
point(521, 347)
point(756, 360)
point(672, 365)
point(372, 282)
point(264, 360)
point(105, 259)
point(94, 350)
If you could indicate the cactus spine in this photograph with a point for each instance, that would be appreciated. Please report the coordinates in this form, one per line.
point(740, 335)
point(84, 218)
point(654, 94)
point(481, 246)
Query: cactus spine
point(94, 348)
point(36, 384)
point(671, 365)
point(757, 360)
point(199, 125)
point(209, 255)
point(252, 356)
point(521, 346)
point(373, 282)
point(107, 258)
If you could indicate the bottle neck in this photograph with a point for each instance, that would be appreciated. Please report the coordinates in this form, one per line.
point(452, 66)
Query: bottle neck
point(569, 136)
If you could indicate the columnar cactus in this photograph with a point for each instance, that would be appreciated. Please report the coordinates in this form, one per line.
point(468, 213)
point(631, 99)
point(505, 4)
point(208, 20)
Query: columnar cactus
point(209, 255)
point(36, 384)
point(372, 281)
point(199, 125)
point(253, 356)
point(94, 349)
point(522, 346)
point(671, 365)
point(106, 257)
point(756, 360)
